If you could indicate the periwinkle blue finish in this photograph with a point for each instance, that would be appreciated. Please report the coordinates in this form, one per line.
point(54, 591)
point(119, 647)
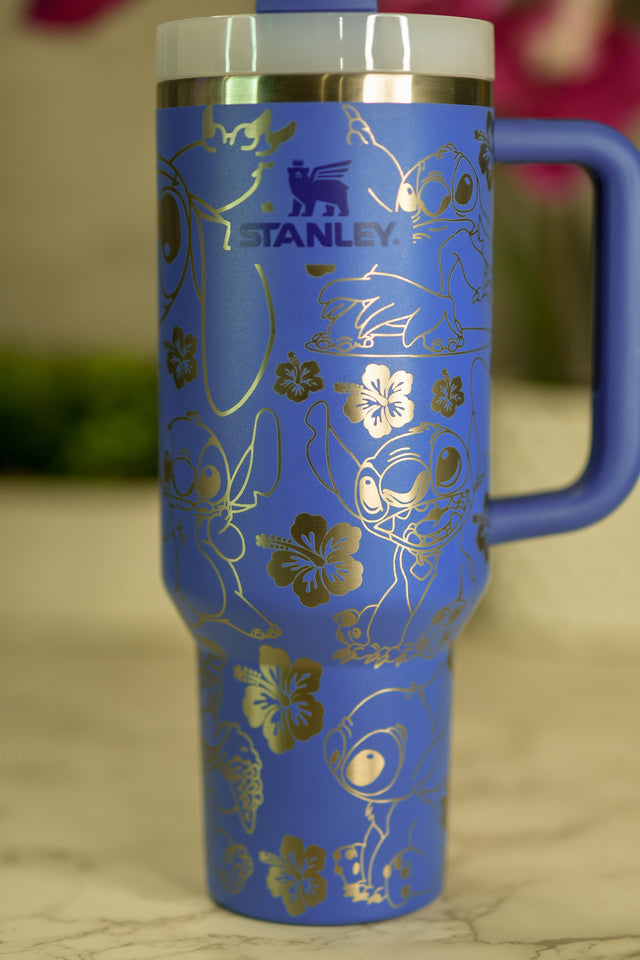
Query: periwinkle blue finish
point(324, 402)
point(614, 463)
point(316, 6)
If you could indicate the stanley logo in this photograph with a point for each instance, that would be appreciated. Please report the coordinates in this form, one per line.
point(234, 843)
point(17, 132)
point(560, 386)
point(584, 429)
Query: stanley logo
point(323, 185)
point(328, 234)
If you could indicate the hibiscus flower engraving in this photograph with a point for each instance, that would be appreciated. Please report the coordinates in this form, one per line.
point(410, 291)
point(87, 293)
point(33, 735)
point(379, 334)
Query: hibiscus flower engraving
point(181, 359)
point(297, 380)
point(316, 562)
point(447, 395)
point(485, 158)
point(295, 876)
point(380, 401)
point(280, 698)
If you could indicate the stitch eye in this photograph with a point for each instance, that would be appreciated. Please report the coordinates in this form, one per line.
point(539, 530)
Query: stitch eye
point(448, 467)
point(374, 762)
point(369, 496)
point(451, 462)
point(183, 476)
point(208, 483)
point(173, 229)
point(366, 766)
point(169, 217)
point(435, 197)
point(407, 199)
point(465, 186)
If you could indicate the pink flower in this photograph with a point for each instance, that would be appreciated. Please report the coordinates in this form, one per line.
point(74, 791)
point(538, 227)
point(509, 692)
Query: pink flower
point(66, 13)
point(554, 58)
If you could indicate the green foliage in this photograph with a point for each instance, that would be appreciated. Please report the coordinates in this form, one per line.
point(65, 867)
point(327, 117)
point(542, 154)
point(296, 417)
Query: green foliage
point(81, 416)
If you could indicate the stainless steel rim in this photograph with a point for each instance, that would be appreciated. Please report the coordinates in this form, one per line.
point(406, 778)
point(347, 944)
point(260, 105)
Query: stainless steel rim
point(330, 87)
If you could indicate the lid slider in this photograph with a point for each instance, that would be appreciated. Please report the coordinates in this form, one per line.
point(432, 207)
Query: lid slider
point(316, 6)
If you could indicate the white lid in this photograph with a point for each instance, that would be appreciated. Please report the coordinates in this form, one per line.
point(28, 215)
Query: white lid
point(282, 43)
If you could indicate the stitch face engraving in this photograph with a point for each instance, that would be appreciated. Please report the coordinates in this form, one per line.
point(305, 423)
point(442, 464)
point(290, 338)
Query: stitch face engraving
point(396, 771)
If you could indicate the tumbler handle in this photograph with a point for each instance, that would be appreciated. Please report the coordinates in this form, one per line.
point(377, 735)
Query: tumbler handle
point(614, 464)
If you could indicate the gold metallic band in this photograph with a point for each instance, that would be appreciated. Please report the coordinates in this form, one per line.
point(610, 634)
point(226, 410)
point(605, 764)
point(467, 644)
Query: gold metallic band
point(350, 87)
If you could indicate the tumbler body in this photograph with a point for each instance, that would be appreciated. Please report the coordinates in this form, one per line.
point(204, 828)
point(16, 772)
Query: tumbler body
point(325, 290)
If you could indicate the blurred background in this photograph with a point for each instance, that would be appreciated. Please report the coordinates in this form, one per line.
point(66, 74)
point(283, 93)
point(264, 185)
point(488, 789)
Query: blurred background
point(77, 299)
point(78, 293)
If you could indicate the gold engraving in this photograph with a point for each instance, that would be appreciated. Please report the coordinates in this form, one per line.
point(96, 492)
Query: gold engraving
point(237, 867)
point(316, 562)
point(365, 319)
point(447, 395)
point(441, 194)
point(381, 401)
point(212, 660)
point(370, 763)
point(415, 492)
point(279, 698)
point(232, 766)
point(253, 131)
point(232, 760)
point(181, 359)
point(203, 495)
point(215, 135)
point(365, 767)
point(295, 876)
point(384, 315)
point(185, 232)
point(297, 380)
point(320, 269)
point(263, 366)
point(296, 88)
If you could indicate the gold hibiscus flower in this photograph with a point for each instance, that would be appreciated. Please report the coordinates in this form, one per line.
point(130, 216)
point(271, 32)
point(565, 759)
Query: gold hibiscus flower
point(295, 875)
point(447, 395)
point(279, 698)
point(297, 380)
point(181, 357)
point(316, 562)
point(380, 401)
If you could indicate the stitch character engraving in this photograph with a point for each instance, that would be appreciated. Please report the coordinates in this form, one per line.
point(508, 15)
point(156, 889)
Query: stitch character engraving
point(385, 315)
point(397, 769)
point(415, 492)
point(323, 185)
point(203, 495)
point(441, 194)
point(190, 228)
point(232, 774)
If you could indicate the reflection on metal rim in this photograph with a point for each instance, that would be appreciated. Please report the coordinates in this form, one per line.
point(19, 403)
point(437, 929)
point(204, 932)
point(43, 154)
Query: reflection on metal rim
point(346, 87)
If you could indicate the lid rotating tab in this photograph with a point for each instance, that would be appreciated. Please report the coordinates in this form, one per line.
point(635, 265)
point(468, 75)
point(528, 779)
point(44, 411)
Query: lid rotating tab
point(316, 6)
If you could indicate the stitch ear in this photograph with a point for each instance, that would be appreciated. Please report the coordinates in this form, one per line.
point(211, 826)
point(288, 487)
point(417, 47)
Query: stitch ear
point(276, 138)
point(209, 128)
point(331, 461)
point(258, 472)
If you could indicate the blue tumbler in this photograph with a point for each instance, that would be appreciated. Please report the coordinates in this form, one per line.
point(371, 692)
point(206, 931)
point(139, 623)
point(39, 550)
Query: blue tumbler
point(325, 190)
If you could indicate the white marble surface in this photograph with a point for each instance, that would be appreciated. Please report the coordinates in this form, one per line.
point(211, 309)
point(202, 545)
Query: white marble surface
point(100, 816)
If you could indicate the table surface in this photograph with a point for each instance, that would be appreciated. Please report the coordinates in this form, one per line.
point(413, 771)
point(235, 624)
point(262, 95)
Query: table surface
point(101, 838)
